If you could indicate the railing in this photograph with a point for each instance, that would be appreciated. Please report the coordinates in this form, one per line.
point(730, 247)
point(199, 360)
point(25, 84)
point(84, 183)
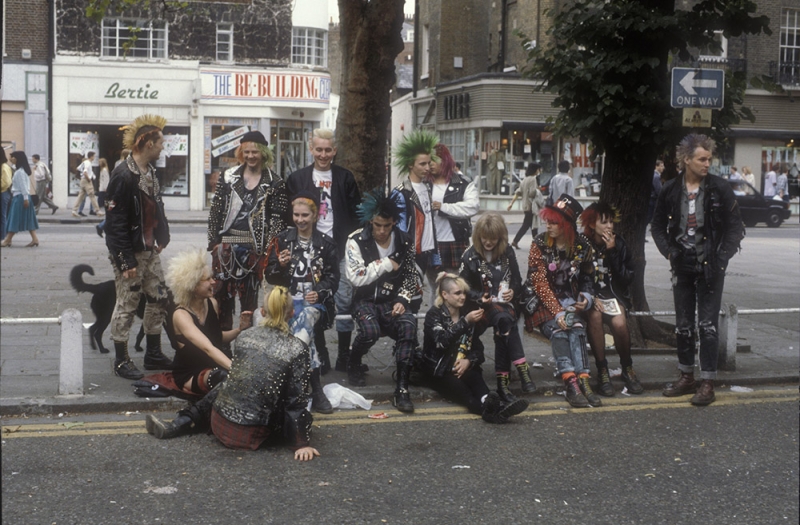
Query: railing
point(70, 376)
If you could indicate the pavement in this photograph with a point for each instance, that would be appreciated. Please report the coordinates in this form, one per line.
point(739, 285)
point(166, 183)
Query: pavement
point(768, 351)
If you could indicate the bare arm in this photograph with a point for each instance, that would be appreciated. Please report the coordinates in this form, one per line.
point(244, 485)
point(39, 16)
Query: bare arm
point(184, 325)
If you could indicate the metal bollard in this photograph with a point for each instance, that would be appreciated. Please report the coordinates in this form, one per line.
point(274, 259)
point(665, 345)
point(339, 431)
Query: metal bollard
point(70, 373)
point(728, 332)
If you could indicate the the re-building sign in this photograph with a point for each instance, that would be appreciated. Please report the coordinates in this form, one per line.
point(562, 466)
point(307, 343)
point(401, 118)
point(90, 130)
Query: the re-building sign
point(698, 88)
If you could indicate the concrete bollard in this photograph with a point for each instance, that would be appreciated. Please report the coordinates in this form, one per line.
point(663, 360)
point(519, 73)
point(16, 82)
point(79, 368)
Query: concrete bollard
point(728, 333)
point(70, 373)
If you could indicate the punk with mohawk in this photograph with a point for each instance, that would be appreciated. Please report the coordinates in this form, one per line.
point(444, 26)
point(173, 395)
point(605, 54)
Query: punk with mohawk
point(376, 204)
point(418, 142)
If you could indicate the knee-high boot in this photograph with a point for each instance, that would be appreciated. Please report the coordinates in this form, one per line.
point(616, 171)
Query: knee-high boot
point(322, 350)
point(154, 358)
point(319, 403)
point(123, 366)
point(344, 351)
point(402, 397)
point(512, 405)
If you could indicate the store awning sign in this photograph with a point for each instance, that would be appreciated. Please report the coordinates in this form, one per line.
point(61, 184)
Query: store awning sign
point(225, 148)
point(274, 86)
point(227, 137)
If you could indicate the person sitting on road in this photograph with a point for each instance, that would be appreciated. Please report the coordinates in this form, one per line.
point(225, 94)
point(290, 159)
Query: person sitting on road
point(560, 273)
point(304, 260)
point(380, 266)
point(452, 355)
point(490, 269)
point(202, 358)
point(613, 276)
point(264, 395)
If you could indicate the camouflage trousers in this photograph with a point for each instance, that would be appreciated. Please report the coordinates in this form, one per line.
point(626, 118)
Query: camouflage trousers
point(149, 281)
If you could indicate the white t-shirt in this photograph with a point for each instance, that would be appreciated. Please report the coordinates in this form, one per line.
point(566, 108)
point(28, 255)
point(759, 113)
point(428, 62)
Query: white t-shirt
point(385, 252)
point(421, 190)
point(324, 180)
point(770, 180)
point(86, 169)
point(444, 233)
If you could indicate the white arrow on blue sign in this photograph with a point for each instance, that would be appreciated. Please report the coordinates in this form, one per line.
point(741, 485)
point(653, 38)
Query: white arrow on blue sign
point(697, 88)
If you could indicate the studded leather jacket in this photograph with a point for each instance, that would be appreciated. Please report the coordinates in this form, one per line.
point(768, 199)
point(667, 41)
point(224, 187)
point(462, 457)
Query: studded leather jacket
point(267, 384)
point(444, 339)
point(128, 227)
point(476, 271)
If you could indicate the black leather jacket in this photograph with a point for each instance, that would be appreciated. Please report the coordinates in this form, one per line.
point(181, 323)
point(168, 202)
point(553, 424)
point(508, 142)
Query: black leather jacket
point(345, 197)
point(324, 266)
point(722, 228)
point(614, 278)
point(373, 278)
point(125, 222)
point(271, 214)
point(443, 339)
point(267, 384)
point(454, 194)
point(476, 272)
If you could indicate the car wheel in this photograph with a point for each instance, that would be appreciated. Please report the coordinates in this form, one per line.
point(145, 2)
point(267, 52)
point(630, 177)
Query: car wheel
point(774, 219)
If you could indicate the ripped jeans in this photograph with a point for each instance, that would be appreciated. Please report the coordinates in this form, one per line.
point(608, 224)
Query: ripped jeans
point(690, 288)
point(302, 327)
point(569, 347)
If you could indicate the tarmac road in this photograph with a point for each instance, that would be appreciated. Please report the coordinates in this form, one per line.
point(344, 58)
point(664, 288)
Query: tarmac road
point(643, 460)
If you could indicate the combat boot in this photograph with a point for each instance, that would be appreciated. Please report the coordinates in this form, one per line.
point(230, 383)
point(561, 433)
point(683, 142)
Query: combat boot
point(123, 366)
point(512, 405)
point(593, 399)
point(604, 387)
point(402, 396)
point(685, 385)
point(179, 426)
point(525, 378)
point(492, 406)
point(631, 381)
point(573, 393)
point(154, 359)
point(319, 402)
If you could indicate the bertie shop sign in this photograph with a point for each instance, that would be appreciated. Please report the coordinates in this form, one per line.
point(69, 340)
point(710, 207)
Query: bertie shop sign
point(141, 92)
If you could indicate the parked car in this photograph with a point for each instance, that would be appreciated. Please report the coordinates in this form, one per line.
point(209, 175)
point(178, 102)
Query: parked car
point(756, 208)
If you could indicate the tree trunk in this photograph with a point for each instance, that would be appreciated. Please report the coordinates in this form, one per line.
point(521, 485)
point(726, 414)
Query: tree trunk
point(370, 41)
point(627, 183)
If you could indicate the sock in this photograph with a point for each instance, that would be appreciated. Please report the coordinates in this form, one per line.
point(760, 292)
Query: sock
point(518, 362)
point(566, 376)
point(583, 374)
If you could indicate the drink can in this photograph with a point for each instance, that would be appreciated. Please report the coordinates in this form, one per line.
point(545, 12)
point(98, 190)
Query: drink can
point(501, 290)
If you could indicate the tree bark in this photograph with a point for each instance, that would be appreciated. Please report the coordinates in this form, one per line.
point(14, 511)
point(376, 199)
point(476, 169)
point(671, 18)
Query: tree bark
point(370, 40)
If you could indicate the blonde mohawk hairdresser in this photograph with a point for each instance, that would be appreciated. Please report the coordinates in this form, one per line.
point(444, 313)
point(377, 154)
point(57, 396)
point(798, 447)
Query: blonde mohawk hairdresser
point(418, 142)
point(141, 127)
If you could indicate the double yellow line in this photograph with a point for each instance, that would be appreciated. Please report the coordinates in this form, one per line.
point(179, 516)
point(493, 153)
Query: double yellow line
point(554, 405)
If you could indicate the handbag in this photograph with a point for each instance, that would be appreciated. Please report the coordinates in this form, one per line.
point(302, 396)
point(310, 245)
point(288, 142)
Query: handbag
point(528, 300)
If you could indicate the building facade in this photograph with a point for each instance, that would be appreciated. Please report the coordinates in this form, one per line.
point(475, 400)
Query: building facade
point(214, 72)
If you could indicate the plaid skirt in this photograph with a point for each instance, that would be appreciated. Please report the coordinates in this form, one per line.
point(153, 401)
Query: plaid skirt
point(451, 253)
point(235, 436)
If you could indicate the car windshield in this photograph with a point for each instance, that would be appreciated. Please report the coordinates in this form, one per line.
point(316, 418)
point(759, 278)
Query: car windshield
point(742, 188)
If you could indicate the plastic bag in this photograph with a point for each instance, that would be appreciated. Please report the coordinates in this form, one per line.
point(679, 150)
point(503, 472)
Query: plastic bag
point(341, 397)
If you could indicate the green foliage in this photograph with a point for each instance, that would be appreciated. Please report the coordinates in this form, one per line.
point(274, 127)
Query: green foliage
point(609, 67)
point(98, 9)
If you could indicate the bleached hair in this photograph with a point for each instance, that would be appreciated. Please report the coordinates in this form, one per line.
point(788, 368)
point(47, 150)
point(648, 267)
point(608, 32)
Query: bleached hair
point(324, 134)
point(184, 272)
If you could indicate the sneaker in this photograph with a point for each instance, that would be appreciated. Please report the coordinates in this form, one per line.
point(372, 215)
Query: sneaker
point(593, 399)
point(75, 214)
point(127, 370)
point(631, 381)
point(604, 387)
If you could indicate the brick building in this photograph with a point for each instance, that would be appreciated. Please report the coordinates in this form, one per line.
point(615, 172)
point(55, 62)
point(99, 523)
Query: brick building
point(470, 91)
point(24, 93)
point(214, 71)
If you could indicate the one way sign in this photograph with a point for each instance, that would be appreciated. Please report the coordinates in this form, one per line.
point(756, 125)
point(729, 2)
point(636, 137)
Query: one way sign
point(697, 88)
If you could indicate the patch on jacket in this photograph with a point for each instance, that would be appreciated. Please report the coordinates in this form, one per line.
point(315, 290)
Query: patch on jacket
point(110, 205)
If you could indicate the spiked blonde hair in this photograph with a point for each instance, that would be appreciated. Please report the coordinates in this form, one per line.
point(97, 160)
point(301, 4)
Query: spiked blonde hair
point(141, 128)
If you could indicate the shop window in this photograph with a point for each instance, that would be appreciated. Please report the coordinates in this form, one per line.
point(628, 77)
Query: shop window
point(225, 43)
point(172, 168)
point(309, 47)
point(291, 145)
point(789, 63)
point(127, 38)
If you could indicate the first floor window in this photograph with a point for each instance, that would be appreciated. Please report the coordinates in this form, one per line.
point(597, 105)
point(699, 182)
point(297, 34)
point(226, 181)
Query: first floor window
point(127, 38)
point(224, 42)
point(309, 47)
point(790, 47)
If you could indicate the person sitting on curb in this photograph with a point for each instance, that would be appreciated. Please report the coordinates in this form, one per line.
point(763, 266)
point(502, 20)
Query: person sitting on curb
point(380, 265)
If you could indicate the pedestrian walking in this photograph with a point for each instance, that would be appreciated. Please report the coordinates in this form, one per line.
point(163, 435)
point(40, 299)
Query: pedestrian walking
point(561, 184)
point(532, 202)
point(21, 213)
point(5, 190)
point(87, 187)
point(43, 178)
point(698, 228)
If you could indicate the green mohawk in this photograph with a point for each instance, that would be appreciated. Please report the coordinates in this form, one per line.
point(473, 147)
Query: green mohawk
point(419, 141)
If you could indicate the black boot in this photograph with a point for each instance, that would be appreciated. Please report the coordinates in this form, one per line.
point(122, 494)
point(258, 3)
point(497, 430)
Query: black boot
point(322, 351)
point(512, 405)
point(344, 351)
point(123, 366)
point(160, 430)
point(604, 386)
point(525, 378)
point(154, 359)
point(139, 338)
point(586, 388)
point(319, 403)
point(355, 374)
point(573, 393)
point(492, 406)
point(402, 397)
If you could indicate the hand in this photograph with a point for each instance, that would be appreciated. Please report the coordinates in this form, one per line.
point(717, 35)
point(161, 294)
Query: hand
point(25, 203)
point(461, 366)
point(245, 320)
point(562, 322)
point(312, 297)
point(474, 316)
point(436, 205)
point(398, 309)
point(610, 240)
point(509, 207)
point(486, 298)
point(508, 295)
point(158, 249)
point(581, 305)
point(129, 274)
point(305, 453)
point(284, 257)
point(599, 307)
point(395, 265)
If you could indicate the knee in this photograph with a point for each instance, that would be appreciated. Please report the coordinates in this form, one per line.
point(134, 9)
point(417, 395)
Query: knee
point(505, 323)
point(707, 328)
